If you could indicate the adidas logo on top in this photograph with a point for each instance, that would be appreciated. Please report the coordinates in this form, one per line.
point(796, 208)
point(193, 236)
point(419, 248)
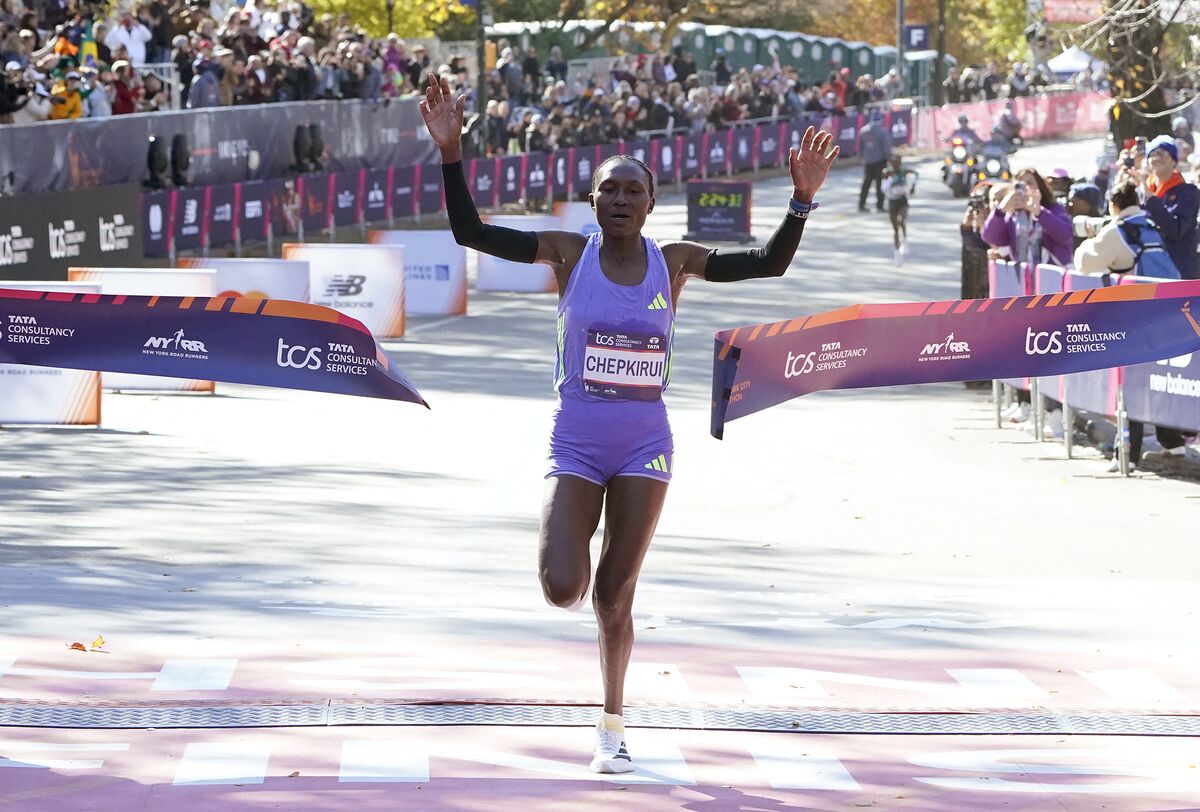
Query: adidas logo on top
point(659, 303)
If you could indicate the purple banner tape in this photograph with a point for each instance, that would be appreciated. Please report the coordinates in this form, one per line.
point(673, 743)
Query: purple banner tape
point(861, 346)
point(263, 342)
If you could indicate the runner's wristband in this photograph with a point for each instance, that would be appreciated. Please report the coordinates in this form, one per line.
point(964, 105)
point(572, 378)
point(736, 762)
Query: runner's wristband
point(801, 210)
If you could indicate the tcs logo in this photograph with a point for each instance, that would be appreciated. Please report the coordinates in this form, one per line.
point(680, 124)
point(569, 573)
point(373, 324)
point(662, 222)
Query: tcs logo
point(297, 357)
point(797, 365)
point(1043, 343)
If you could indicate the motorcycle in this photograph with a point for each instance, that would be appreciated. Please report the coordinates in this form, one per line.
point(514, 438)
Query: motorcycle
point(992, 163)
point(958, 167)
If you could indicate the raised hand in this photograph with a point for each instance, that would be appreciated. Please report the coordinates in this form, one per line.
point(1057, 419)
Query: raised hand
point(443, 116)
point(810, 163)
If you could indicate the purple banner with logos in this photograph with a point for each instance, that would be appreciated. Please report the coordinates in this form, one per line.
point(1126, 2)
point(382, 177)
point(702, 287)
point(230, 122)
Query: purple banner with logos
point(377, 192)
point(222, 213)
point(846, 133)
point(347, 198)
point(315, 192)
point(156, 223)
point(1094, 391)
point(537, 175)
point(253, 216)
point(1049, 279)
point(638, 149)
point(1005, 280)
point(404, 190)
point(561, 166)
point(768, 140)
point(283, 205)
point(900, 125)
point(584, 163)
point(861, 346)
point(715, 155)
point(189, 218)
point(666, 159)
point(253, 341)
point(742, 148)
point(691, 159)
point(483, 182)
point(432, 198)
point(511, 179)
point(1166, 392)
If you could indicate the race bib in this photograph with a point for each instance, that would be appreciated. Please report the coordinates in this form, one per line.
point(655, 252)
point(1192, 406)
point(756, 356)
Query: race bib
point(622, 366)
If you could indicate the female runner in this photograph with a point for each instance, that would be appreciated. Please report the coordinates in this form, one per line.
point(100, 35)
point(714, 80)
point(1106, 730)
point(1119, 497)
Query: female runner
point(611, 446)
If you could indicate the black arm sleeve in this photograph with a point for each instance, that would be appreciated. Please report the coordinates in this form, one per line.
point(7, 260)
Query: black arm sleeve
point(773, 259)
point(469, 230)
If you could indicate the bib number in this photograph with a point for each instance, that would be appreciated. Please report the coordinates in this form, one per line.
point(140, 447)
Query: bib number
point(622, 366)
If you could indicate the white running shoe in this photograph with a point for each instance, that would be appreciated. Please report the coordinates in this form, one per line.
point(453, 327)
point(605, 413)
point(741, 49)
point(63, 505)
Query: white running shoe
point(1020, 414)
point(610, 755)
point(898, 256)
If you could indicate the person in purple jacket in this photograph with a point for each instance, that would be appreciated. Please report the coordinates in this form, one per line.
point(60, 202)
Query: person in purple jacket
point(1030, 223)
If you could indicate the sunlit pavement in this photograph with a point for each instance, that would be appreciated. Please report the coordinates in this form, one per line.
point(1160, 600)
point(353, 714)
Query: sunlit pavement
point(878, 562)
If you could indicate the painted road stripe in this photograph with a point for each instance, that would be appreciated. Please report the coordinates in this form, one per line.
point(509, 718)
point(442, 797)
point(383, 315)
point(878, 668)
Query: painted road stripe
point(976, 685)
point(1133, 686)
point(194, 675)
point(656, 757)
point(657, 679)
point(787, 763)
point(48, 763)
point(223, 763)
point(392, 760)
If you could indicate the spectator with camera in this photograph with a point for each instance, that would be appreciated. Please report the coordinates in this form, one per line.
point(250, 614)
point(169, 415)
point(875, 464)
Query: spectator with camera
point(1030, 223)
point(1126, 241)
point(1173, 204)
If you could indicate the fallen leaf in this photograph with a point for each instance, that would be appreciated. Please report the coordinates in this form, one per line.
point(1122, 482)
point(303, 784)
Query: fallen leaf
point(294, 774)
point(77, 647)
point(98, 643)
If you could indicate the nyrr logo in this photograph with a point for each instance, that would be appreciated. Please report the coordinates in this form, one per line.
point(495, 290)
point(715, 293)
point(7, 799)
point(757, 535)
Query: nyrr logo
point(351, 285)
point(159, 345)
point(297, 357)
point(949, 346)
point(798, 365)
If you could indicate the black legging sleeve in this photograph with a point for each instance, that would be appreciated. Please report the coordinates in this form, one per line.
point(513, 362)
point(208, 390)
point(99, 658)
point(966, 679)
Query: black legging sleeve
point(773, 259)
point(469, 230)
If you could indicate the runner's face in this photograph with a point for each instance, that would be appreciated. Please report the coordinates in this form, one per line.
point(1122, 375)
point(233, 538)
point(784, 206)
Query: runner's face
point(622, 199)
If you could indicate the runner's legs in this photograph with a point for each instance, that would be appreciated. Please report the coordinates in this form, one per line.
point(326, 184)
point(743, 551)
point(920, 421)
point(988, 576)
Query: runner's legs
point(570, 515)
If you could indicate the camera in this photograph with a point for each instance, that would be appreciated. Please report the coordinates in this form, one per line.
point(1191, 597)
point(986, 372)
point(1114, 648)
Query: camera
point(1085, 227)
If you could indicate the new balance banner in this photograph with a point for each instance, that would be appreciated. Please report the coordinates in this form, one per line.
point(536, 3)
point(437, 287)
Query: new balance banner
point(691, 163)
point(483, 182)
point(219, 206)
point(562, 163)
point(45, 395)
point(377, 193)
point(666, 163)
point(365, 282)
point(435, 271)
point(194, 282)
point(761, 366)
point(255, 203)
point(767, 143)
point(1167, 392)
point(347, 198)
point(404, 190)
point(314, 192)
point(537, 175)
point(252, 341)
point(431, 199)
point(742, 148)
point(189, 218)
point(716, 153)
point(255, 277)
point(156, 223)
point(510, 179)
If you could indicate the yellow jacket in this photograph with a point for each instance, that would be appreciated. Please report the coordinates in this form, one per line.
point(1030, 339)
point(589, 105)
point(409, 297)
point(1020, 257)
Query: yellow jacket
point(72, 109)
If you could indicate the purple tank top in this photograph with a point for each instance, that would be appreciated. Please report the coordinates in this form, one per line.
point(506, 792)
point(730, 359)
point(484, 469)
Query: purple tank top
point(614, 341)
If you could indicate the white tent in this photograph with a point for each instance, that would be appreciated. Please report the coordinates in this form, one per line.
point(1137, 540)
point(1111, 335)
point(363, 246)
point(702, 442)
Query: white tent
point(1072, 61)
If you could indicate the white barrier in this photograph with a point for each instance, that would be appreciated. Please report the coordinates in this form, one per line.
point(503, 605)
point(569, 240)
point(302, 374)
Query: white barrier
point(256, 278)
point(150, 282)
point(503, 275)
point(435, 271)
point(365, 282)
point(44, 395)
point(576, 216)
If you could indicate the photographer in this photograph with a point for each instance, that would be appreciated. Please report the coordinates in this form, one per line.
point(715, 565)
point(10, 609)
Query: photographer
point(1029, 221)
point(1173, 205)
point(1128, 241)
point(974, 249)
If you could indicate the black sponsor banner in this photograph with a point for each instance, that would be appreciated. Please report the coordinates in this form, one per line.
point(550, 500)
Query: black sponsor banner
point(221, 209)
point(377, 191)
point(562, 164)
point(189, 217)
point(585, 163)
point(83, 153)
point(483, 182)
point(666, 159)
point(716, 153)
point(718, 210)
point(347, 198)
point(156, 223)
point(252, 211)
point(404, 190)
point(767, 142)
point(741, 148)
point(283, 205)
point(42, 235)
point(314, 201)
point(432, 197)
point(537, 175)
point(510, 177)
point(690, 161)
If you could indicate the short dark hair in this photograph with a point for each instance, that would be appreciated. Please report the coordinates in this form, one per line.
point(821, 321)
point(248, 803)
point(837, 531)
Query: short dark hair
point(1125, 194)
point(617, 159)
